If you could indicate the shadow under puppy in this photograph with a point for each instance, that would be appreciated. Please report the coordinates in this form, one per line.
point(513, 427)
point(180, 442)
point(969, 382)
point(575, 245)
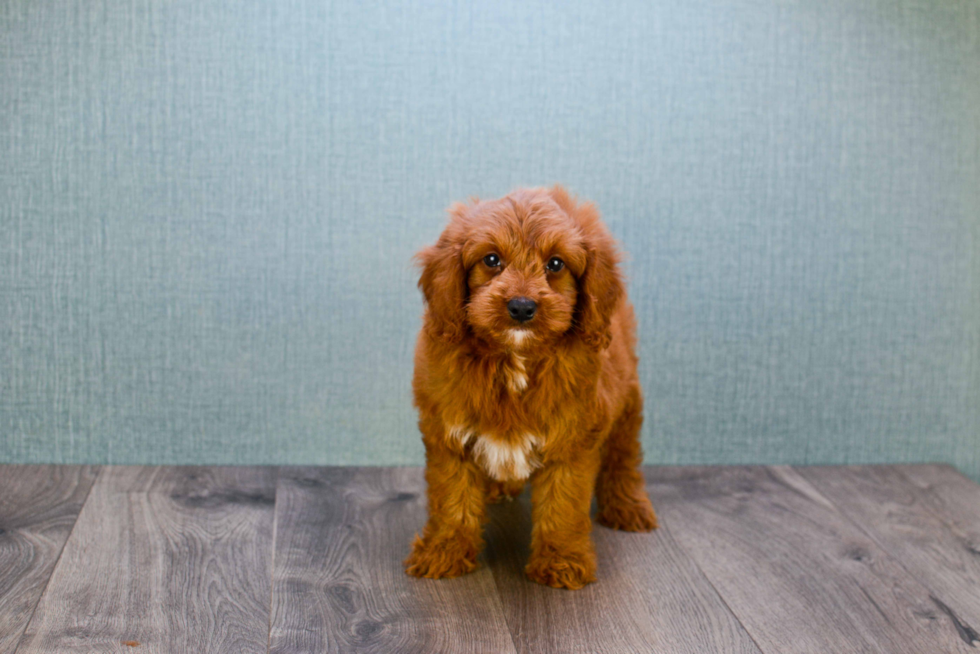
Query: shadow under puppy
point(525, 368)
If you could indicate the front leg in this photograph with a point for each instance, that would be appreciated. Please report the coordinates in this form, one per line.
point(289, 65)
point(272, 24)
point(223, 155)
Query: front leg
point(562, 553)
point(453, 536)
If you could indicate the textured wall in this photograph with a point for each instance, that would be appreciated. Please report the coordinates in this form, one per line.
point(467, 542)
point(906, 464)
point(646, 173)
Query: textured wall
point(208, 208)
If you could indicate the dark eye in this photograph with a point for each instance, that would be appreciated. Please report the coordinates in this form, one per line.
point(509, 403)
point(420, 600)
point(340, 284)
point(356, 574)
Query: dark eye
point(492, 260)
point(555, 264)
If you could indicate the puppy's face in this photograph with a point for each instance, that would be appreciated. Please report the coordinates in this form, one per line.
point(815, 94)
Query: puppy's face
point(523, 259)
point(522, 271)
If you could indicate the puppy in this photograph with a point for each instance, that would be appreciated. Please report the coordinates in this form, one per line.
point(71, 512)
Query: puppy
point(525, 368)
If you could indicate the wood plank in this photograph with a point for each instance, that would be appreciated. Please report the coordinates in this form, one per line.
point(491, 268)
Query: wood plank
point(649, 597)
point(795, 571)
point(932, 528)
point(38, 508)
point(339, 584)
point(172, 559)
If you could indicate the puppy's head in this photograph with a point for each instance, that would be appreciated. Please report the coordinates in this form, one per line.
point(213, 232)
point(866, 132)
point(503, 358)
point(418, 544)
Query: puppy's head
point(522, 271)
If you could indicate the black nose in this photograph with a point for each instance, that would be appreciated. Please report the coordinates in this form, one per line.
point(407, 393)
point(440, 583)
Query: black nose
point(522, 308)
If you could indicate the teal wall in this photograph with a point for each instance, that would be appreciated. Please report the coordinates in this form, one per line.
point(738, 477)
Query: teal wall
point(208, 209)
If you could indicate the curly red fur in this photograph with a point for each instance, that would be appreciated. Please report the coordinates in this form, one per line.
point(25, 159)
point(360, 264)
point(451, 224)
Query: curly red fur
point(555, 400)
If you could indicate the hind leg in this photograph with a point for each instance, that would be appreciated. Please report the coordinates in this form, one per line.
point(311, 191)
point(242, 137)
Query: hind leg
point(620, 491)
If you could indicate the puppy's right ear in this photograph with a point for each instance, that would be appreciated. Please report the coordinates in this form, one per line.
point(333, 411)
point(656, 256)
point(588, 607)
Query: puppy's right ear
point(443, 282)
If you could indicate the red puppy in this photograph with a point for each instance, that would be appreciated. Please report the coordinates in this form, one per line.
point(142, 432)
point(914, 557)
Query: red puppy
point(525, 368)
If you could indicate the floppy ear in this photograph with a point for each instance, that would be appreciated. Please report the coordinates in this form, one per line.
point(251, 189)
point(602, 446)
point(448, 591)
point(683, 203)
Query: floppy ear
point(601, 285)
point(600, 291)
point(443, 283)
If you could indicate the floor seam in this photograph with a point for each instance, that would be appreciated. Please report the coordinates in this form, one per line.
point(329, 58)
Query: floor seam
point(500, 602)
point(98, 476)
point(704, 575)
point(272, 568)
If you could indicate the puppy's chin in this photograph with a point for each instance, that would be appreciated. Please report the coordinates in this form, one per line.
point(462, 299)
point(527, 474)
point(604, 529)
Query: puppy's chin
point(519, 338)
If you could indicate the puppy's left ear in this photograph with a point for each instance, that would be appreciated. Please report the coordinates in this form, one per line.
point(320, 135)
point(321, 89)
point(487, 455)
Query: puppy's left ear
point(443, 282)
point(601, 287)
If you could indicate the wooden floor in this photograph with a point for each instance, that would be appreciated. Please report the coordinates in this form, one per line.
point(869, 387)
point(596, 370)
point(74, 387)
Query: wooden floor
point(748, 559)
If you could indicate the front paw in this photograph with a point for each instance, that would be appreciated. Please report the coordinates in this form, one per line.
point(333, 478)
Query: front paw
point(435, 558)
point(562, 569)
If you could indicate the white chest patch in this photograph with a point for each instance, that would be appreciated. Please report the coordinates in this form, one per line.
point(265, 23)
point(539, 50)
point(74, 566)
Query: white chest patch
point(505, 461)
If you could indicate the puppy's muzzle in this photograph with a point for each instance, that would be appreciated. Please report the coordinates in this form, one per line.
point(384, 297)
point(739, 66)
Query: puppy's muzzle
point(522, 309)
